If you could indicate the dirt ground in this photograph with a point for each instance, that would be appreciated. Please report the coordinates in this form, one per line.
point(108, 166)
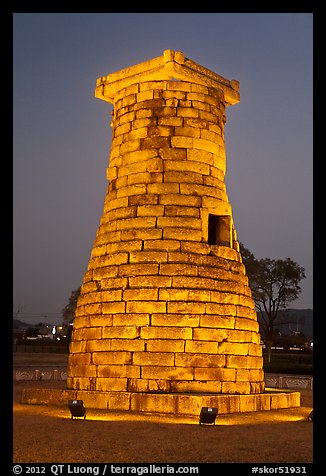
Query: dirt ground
point(48, 434)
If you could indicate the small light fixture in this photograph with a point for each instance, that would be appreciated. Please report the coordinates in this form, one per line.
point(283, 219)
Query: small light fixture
point(77, 409)
point(208, 415)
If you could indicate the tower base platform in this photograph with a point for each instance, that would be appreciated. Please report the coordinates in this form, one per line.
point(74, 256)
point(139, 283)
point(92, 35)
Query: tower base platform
point(166, 403)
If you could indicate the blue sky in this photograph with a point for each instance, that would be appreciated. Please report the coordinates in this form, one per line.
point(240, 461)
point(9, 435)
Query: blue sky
point(62, 135)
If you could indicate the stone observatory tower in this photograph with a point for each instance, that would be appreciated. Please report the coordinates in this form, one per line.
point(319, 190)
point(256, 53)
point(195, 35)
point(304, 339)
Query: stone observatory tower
point(165, 305)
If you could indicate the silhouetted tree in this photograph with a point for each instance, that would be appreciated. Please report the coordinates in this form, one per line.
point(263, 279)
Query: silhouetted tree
point(274, 284)
point(68, 312)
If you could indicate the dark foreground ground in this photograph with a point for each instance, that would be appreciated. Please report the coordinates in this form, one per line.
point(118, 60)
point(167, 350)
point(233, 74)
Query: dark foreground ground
point(47, 434)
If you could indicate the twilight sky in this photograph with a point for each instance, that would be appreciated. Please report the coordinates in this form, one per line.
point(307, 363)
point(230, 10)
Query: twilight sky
point(62, 135)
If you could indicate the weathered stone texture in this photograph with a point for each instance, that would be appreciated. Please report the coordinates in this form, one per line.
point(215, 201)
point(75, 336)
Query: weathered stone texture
point(165, 304)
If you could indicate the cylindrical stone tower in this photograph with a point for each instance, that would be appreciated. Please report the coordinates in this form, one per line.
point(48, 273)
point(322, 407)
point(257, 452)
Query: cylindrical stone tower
point(165, 304)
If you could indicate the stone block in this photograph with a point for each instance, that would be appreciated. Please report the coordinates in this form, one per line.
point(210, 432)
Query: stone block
point(127, 344)
point(176, 199)
point(224, 298)
point(166, 332)
point(191, 295)
point(136, 157)
point(246, 311)
point(217, 273)
point(111, 295)
point(92, 399)
point(121, 332)
point(119, 130)
point(182, 142)
point(201, 105)
point(98, 345)
point(170, 121)
point(136, 189)
point(113, 307)
point(93, 308)
point(210, 334)
point(88, 333)
point(237, 361)
point(142, 113)
point(193, 386)
point(135, 245)
point(234, 348)
point(182, 222)
point(148, 385)
point(153, 358)
point(119, 371)
point(153, 403)
point(109, 260)
point(118, 400)
point(100, 320)
point(240, 336)
point(255, 362)
point(185, 176)
point(191, 282)
point(130, 146)
point(140, 295)
point(187, 112)
point(199, 360)
point(220, 309)
point(214, 373)
point(144, 177)
point(148, 257)
point(181, 234)
point(169, 373)
point(257, 387)
point(80, 359)
point(154, 142)
point(250, 375)
point(86, 371)
point(182, 320)
point(181, 211)
point(111, 384)
point(150, 210)
point(236, 387)
point(80, 311)
point(145, 306)
point(178, 269)
point(148, 199)
point(166, 245)
point(159, 131)
point(197, 189)
point(255, 349)
point(138, 222)
point(186, 307)
point(161, 345)
point(246, 324)
point(114, 283)
point(150, 281)
point(142, 233)
point(81, 321)
point(162, 188)
point(112, 358)
point(88, 287)
point(201, 347)
point(138, 269)
point(76, 346)
point(144, 95)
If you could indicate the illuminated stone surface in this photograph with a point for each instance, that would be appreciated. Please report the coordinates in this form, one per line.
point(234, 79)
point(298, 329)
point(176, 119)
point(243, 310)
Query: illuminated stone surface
point(165, 304)
point(165, 403)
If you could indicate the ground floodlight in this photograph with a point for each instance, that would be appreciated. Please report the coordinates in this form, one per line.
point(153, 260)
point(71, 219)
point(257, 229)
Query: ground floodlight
point(77, 409)
point(207, 415)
